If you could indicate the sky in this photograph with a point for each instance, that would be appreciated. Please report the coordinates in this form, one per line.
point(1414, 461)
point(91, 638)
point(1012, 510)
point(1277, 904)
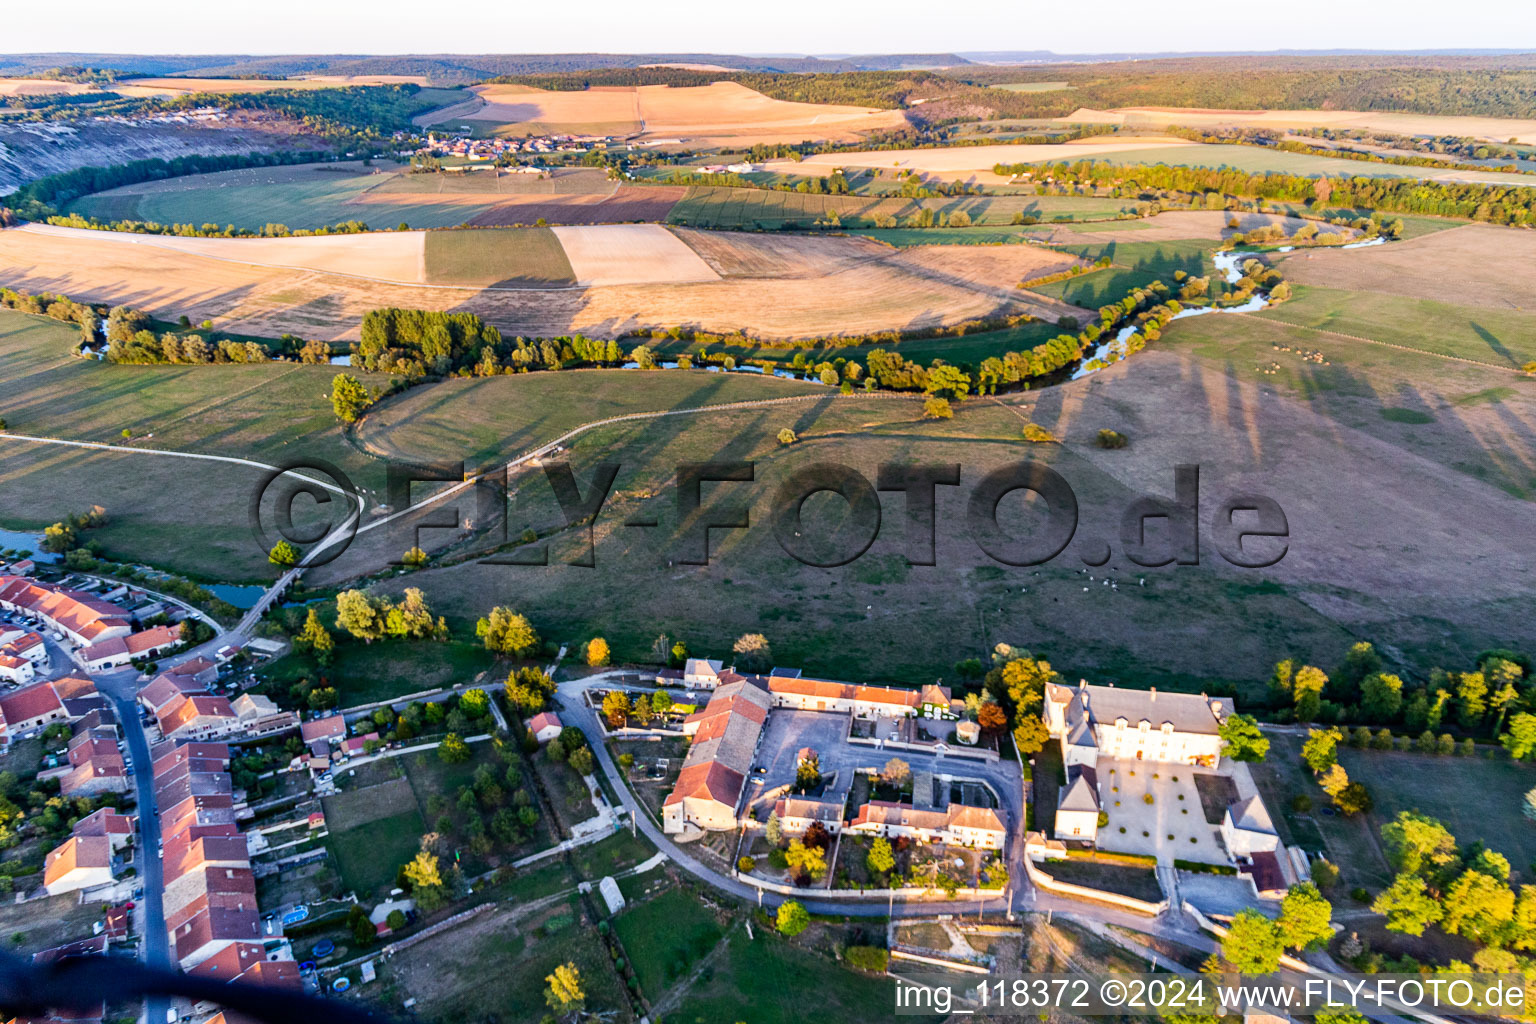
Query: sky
point(624, 26)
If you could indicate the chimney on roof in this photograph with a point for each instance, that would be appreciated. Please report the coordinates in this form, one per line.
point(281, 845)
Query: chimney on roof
point(1153, 699)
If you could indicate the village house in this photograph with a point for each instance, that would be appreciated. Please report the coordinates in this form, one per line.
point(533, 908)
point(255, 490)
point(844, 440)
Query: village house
point(1246, 829)
point(27, 646)
point(725, 737)
point(197, 716)
point(80, 862)
point(84, 619)
point(258, 715)
point(1112, 722)
point(31, 708)
point(117, 651)
point(798, 813)
point(199, 669)
point(1078, 805)
point(331, 729)
point(545, 726)
point(702, 673)
point(17, 671)
point(118, 828)
point(166, 687)
point(807, 694)
point(959, 825)
point(97, 764)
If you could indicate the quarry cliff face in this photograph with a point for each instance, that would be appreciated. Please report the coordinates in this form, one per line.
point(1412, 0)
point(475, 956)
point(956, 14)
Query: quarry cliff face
point(35, 150)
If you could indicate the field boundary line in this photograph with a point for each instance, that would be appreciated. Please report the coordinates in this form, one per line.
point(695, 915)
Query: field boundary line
point(1401, 348)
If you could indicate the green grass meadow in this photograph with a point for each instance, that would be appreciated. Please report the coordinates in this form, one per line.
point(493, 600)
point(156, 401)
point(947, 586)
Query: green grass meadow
point(530, 257)
point(369, 855)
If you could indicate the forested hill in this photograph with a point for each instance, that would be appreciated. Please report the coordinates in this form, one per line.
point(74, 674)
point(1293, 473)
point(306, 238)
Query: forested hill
point(449, 69)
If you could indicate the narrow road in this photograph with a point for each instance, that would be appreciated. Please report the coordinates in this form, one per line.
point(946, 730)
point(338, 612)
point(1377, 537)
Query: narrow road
point(155, 950)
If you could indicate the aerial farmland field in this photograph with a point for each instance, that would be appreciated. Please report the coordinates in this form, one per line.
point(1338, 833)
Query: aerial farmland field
point(723, 112)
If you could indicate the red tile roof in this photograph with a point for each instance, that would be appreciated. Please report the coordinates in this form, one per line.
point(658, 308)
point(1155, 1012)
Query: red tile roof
point(28, 703)
point(323, 728)
point(186, 710)
point(709, 780)
point(76, 852)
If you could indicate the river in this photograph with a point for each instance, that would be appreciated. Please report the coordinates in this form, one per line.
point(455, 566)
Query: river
point(1229, 265)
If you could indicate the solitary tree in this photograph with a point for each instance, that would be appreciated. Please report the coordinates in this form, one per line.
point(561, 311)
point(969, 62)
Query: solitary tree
point(349, 397)
point(991, 716)
point(792, 918)
point(564, 993)
point(284, 555)
point(507, 632)
point(806, 860)
point(453, 749)
point(315, 638)
point(661, 703)
point(897, 772)
point(359, 614)
point(1408, 905)
point(880, 859)
point(753, 652)
point(616, 708)
point(1304, 918)
point(597, 652)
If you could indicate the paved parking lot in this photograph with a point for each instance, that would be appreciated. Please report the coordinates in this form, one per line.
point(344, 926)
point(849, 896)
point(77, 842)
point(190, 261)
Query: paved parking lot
point(1174, 810)
point(787, 731)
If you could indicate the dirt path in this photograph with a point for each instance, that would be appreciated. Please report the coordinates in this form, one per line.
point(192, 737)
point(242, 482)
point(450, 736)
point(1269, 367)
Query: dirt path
point(673, 997)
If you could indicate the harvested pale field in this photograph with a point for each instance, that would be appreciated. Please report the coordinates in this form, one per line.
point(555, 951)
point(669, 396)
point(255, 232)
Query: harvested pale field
point(937, 289)
point(723, 111)
point(1474, 265)
point(144, 87)
point(985, 267)
point(1496, 129)
point(625, 203)
point(612, 254)
point(393, 257)
point(976, 161)
point(1174, 225)
point(780, 256)
point(42, 87)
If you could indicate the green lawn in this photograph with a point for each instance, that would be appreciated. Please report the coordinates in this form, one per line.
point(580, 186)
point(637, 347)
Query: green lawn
point(1136, 265)
point(189, 517)
point(664, 936)
point(771, 981)
point(302, 196)
point(1440, 787)
point(497, 256)
point(856, 621)
point(369, 856)
point(1497, 336)
point(365, 673)
point(488, 420)
point(610, 856)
